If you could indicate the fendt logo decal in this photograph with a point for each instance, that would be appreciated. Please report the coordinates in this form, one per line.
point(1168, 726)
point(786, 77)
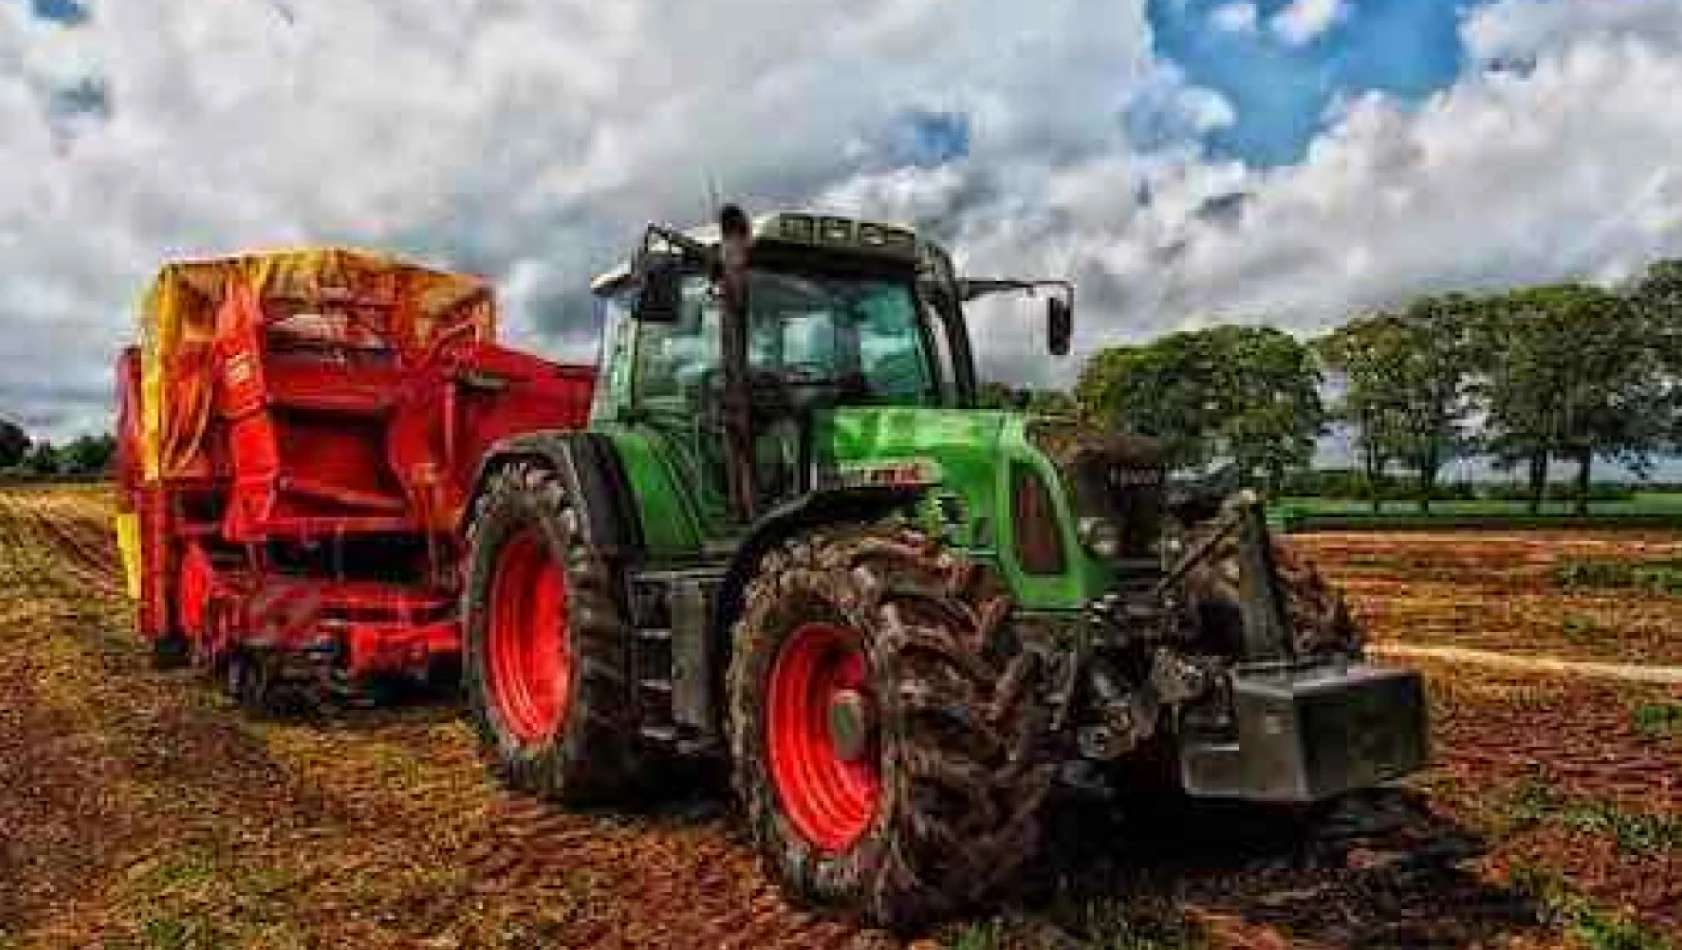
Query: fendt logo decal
point(889, 473)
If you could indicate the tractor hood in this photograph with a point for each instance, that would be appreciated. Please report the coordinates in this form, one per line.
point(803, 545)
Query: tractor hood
point(975, 463)
point(961, 456)
point(962, 444)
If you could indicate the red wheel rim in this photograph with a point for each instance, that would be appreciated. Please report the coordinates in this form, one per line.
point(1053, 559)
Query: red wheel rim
point(829, 799)
point(529, 660)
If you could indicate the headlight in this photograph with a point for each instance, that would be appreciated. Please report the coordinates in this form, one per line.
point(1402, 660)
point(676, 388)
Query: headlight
point(1100, 536)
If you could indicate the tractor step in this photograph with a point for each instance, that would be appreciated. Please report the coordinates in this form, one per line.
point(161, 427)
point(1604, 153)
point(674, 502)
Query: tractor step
point(672, 657)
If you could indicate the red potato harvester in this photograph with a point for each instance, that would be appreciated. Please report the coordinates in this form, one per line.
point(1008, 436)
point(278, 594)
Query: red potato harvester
point(298, 435)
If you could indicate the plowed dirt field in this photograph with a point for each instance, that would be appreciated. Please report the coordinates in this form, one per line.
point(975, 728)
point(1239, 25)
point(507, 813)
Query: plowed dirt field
point(140, 809)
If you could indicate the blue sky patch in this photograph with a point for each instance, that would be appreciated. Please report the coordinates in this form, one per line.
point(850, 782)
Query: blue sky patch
point(1280, 90)
point(86, 97)
point(68, 12)
point(926, 138)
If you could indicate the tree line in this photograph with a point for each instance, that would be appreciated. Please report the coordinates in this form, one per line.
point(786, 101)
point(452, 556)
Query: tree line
point(86, 455)
point(1530, 376)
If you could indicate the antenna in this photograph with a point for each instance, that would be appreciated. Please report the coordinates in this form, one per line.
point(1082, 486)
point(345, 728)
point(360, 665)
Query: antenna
point(281, 10)
point(713, 208)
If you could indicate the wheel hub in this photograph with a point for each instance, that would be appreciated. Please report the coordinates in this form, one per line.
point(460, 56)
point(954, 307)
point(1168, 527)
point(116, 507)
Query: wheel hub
point(528, 657)
point(820, 732)
point(851, 723)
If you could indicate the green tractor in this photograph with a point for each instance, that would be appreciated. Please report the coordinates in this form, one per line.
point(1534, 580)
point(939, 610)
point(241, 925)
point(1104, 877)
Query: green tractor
point(790, 541)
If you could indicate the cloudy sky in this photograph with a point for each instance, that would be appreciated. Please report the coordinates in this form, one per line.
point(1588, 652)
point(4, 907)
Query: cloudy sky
point(1284, 161)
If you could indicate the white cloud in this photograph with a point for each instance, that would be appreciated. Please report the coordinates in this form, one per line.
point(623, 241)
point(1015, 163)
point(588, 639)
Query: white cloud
point(526, 138)
point(1563, 171)
point(530, 139)
point(1510, 30)
point(1234, 17)
point(1302, 21)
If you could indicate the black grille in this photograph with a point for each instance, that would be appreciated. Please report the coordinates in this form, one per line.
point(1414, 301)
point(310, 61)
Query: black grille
point(1116, 477)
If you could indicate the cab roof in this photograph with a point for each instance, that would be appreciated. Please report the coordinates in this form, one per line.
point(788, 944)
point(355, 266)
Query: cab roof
point(800, 229)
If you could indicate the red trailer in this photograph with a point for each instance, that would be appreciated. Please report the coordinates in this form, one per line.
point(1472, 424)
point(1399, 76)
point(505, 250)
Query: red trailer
point(298, 434)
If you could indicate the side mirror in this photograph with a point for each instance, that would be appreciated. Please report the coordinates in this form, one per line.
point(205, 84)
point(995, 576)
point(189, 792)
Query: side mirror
point(1059, 324)
point(660, 290)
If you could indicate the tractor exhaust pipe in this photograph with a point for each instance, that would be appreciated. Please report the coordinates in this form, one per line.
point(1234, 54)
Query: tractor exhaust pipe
point(735, 233)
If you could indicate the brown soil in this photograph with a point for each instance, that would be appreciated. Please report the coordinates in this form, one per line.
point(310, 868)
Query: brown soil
point(141, 809)
point(1499, 592)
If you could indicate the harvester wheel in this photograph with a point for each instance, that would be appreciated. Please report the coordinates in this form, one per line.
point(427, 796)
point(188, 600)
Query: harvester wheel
point(250, 679)
point(545, 663)
point(1318, 616)
point(885, 725)
point(172, 651)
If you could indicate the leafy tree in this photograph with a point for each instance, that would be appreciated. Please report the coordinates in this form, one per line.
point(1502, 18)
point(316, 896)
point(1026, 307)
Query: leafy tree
point(1045, 402)
point(1052, 402)
point(992, 395)
point(1657, 297)
point(1247, 395)
point(1516, 363)
point(1659, 294)
point(1365, 355)
point(87, 455)
point(1616, 394)
point(1434, 372)
point(42, 459)
point(1573, 372)
point(14, 444)
point(1407, 386)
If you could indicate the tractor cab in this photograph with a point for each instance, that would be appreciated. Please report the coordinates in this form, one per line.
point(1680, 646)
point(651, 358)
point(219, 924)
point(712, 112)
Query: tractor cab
point(833, 313)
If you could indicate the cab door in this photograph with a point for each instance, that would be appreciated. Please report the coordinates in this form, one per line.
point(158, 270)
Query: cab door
point(676, 387)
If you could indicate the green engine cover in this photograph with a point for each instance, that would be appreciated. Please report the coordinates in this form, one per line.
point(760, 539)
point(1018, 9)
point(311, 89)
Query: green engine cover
point(966, 459)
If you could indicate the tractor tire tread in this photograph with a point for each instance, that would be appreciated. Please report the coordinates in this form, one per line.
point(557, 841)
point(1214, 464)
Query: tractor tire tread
point(593, 758)
point(961, 785)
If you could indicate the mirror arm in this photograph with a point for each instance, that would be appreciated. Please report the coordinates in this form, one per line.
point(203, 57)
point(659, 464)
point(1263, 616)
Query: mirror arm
point(970, 288)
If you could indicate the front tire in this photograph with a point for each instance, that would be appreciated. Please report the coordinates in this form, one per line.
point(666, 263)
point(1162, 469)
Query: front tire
point(544, 652)
point(885, 726)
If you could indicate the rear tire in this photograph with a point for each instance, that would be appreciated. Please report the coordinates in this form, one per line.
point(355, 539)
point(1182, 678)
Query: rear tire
point(939, 806)
point(544, 654)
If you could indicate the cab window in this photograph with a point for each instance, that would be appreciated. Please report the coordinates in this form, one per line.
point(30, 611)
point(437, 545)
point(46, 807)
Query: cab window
point(862, 335)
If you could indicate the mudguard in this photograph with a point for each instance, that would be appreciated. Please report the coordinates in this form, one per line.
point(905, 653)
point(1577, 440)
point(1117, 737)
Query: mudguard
point(590, 468)
point(850, 505)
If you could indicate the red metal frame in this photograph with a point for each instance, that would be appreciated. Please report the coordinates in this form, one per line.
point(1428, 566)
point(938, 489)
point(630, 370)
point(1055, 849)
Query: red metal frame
point(320, 450)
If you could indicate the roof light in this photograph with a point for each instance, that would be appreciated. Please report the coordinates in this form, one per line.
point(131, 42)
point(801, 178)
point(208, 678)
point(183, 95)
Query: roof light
point(896, 239)
point(797, 227)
